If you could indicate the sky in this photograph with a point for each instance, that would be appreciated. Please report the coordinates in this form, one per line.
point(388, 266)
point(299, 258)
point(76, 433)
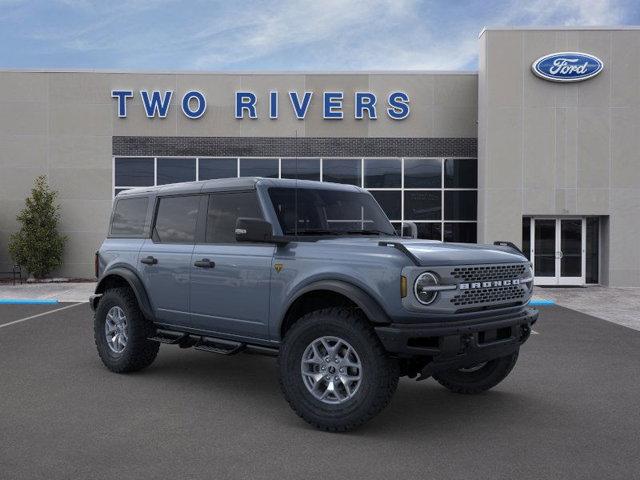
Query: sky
point(278, 35)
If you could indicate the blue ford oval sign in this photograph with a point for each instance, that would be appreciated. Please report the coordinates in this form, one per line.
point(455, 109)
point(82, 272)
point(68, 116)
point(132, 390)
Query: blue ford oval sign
point(567, 66)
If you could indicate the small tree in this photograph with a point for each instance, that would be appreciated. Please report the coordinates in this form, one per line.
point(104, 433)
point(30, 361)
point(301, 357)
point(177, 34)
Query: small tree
point(38, 246)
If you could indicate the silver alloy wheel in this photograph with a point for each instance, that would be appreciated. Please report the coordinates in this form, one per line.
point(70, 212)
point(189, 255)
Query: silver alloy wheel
point(331, 370)
point(116, 330)
point(473, 368)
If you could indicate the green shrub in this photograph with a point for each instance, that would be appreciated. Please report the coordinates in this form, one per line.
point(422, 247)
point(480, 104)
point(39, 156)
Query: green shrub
point(37, 246)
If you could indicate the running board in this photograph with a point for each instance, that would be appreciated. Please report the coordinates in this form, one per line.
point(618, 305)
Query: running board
point(209, 344)
point(218, 345)
point(169, 337)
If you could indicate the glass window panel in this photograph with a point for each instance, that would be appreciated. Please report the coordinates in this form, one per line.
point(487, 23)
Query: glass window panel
point(259, 167)
point(460, 205)
point(176, 170)
point(382, 173)
point(461, 232)
point(593, 240)
point(396, 227)
point(129, 216)
point(460, 173)
point(223, 212)
point(422, 173)
point(425, 205)
point(210, 168)
point(340, 170)
point(571, 248)
point(545, 248)
point(134, 172)
point(391, 203)
point(301, 168)
point(176, 219)
point(430, 231)
point(526, 237)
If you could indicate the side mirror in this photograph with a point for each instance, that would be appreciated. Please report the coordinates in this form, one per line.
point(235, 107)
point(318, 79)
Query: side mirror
point(253, 230)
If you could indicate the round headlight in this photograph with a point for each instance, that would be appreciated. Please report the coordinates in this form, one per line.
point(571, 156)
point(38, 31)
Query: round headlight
point(422, 289)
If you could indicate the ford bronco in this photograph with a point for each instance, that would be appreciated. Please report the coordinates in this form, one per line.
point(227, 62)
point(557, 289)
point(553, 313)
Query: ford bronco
point(314, 274)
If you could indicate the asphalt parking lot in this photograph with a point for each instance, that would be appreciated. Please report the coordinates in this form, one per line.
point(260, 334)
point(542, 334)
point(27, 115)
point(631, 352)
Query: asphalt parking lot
point(568, 410)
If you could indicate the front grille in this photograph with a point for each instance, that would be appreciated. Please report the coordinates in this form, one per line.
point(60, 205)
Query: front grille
point(488, 272)
point(511, 293)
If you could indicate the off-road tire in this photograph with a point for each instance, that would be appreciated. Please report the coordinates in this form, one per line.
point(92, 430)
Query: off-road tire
point(139, 352)
point(379, 372)
point(480, 380)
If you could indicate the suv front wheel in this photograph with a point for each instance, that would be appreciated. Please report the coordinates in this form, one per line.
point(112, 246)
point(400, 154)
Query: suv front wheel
point(333, 370)
point(120, 331)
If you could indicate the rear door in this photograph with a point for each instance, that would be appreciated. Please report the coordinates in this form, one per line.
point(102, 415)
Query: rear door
point(230, 281)
point(165, 258)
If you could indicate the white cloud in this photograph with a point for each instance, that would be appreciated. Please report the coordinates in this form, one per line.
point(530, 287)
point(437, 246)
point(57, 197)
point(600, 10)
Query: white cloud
point(569, 12)
point(385, 35)
point(332, 26)
point(290, 35)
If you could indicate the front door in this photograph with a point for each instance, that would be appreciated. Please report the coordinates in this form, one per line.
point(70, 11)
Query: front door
point(230, 282)
point(558, 250)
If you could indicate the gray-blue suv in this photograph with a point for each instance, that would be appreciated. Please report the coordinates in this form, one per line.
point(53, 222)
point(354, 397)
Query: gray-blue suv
point(314, 274)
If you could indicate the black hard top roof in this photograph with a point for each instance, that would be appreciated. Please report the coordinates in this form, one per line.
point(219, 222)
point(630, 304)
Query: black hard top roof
point(230, 184)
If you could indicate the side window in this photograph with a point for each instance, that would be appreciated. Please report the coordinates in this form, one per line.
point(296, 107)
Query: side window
point(176, 219)
point(224, 210)
point(129, 215)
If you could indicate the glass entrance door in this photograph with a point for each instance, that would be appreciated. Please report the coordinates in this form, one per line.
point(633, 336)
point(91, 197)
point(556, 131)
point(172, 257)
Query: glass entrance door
point(558, 250)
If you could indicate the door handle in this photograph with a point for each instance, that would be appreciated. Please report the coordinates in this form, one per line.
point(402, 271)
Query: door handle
point(149, 260)
point(204, 263)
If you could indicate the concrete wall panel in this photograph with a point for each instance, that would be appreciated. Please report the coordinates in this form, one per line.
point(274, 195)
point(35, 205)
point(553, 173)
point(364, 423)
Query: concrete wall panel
point(580, 152)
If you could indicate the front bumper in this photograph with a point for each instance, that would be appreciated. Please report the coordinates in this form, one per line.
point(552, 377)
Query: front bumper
point(459, 344)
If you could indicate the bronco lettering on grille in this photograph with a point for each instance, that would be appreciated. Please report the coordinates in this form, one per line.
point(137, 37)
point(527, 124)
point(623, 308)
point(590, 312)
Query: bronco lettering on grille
point(493, 283)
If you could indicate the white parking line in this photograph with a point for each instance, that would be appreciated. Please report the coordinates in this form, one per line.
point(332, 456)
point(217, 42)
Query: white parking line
point(40, 315)
point(534, 332)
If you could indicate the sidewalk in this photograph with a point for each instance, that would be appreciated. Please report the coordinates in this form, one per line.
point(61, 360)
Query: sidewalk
point(62, 292)
point(614, 304)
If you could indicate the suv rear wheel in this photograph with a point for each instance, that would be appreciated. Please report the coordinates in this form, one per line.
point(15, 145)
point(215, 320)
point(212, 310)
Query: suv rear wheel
point(333, 370)
point(478, 378)
point(120, 331)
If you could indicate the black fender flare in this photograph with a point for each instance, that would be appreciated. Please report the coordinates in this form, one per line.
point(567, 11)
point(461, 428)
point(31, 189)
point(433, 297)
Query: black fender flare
point(371, 308)
point(133, 281)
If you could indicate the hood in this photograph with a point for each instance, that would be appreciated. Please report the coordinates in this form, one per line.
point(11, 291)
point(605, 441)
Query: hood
point(437, 253)
point(434, 253)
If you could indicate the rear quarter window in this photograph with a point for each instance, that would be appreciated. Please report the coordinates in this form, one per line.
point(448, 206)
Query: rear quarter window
point(129, 215)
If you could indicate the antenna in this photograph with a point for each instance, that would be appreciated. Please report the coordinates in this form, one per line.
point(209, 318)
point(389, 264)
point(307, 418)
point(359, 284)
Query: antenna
point(295, 201)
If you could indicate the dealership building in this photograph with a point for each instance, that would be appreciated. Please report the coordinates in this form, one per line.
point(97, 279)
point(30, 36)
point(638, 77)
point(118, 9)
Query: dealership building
point(540, 146)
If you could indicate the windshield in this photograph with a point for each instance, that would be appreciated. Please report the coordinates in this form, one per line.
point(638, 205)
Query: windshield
point(328, 212)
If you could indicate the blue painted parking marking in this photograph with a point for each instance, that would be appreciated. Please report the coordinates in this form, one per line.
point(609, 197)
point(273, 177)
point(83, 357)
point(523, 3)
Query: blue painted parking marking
point(541, 303)
point(28, 301)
